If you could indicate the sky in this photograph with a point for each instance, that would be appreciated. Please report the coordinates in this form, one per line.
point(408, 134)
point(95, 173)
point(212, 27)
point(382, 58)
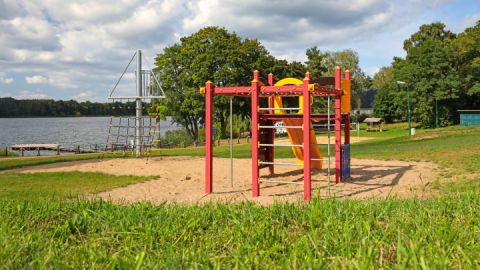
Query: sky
point(77, 49)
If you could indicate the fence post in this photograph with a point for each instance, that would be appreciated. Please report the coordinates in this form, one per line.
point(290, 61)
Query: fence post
point(38, 151)
point(58, 150)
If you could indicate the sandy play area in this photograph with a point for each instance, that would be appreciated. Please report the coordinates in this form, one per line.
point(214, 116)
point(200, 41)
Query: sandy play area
point(181, 179)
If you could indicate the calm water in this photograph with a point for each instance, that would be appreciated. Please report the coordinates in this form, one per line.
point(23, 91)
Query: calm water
point(66, 131)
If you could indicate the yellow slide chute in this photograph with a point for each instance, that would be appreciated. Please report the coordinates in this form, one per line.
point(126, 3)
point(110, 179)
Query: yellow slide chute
point(295, 134)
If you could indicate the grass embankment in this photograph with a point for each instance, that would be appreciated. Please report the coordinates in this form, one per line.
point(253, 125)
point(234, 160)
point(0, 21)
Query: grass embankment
point(60, 185)
point(441, 233)
point(19, 162)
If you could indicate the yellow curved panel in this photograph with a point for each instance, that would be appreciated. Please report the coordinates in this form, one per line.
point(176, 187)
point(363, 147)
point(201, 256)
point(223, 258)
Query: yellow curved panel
point(296, 135)
point(289, 81)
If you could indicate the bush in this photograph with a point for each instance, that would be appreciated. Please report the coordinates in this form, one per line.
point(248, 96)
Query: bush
point(176, 138)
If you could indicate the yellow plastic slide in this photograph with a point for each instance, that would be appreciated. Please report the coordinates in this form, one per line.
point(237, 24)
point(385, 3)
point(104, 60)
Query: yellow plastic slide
point(295, 134)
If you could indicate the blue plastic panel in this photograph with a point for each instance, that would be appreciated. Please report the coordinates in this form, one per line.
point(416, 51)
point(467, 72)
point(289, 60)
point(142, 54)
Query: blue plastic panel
point(345, 157)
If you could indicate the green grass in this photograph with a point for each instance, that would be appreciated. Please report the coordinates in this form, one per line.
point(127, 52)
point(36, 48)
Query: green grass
point(457, 148)
point(59, 185)
point(441, 233)
point(46, 224)
point(19, 162)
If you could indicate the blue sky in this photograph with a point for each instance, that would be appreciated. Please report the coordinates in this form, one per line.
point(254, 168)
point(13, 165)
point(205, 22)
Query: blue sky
point(77, 49)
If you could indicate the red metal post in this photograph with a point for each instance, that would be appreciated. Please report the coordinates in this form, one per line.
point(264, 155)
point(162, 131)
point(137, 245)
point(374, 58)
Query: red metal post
point(307, 184)
point(347, 118)
point(208, 136)
point(338, 127)
point(255, 171)
point(271, 137)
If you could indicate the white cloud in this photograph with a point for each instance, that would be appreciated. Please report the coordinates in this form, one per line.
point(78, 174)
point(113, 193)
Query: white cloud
point(283, 24)
point(85, 95)
point(370, 71)
point(35, 34)
point(36, 79)
point(9, 9)
point(26, 94)
point(5, 79)
point(58, 79)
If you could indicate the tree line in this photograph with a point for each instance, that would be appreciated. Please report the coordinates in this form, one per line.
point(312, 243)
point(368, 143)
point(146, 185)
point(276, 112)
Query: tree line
point(215, 54)
point(441, 72)
point(10, 107)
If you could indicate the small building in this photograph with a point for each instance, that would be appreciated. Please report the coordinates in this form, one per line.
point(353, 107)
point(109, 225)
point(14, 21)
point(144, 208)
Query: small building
point(469, 117)
point(374, 124)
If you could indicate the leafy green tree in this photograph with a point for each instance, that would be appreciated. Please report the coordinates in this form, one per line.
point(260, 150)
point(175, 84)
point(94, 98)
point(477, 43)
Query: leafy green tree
point(210, 54)
point(389, 102)
point(315, 62)
point(430, 71)
point(348, 60)
point(467, 50)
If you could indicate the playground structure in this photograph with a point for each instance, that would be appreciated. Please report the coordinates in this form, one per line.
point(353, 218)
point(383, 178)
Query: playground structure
point(137, 132)
point(300, 125)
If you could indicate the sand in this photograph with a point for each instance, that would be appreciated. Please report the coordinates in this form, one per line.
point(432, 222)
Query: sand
point(181, 180)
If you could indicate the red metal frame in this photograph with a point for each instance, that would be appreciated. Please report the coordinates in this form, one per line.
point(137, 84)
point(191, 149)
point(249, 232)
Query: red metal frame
point(307, 141)
point(208, 136)
point(338, 127)
point(255, 139)
point(310, 88)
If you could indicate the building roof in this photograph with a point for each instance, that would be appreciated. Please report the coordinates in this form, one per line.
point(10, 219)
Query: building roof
point(373, 120)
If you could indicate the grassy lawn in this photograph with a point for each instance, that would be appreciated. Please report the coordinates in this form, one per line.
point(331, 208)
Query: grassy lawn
point(59, 185)
point(441, 233)
point(42, 227)
point(18, 162)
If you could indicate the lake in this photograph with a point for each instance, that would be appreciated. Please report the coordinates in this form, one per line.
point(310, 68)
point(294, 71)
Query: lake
point(66, 131)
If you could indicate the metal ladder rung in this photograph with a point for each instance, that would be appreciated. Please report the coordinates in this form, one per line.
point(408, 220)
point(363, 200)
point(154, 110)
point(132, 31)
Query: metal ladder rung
point(280, 182)
point(280, 163)
point(280, 145)
point(279, 109)
point(280, 126)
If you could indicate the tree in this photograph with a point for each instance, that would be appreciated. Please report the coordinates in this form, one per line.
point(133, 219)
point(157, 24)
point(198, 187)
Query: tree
point(389, 102)
point(348, 60)
point(430, 71)
point(316, 62)
point(467, 54)
point(210, 54)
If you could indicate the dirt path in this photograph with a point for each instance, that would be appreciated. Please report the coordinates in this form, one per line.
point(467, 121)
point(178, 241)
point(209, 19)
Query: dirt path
point(181, 179)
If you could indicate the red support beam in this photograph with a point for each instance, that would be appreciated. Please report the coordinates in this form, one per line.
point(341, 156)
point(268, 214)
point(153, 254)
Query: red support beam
point(338, 127)
point(271, 137)
point(255, 137)
point(269, 90)
point(208, 136)
point(307, 141)
point(347, 118)
point(297, 90)
point(233, 91)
